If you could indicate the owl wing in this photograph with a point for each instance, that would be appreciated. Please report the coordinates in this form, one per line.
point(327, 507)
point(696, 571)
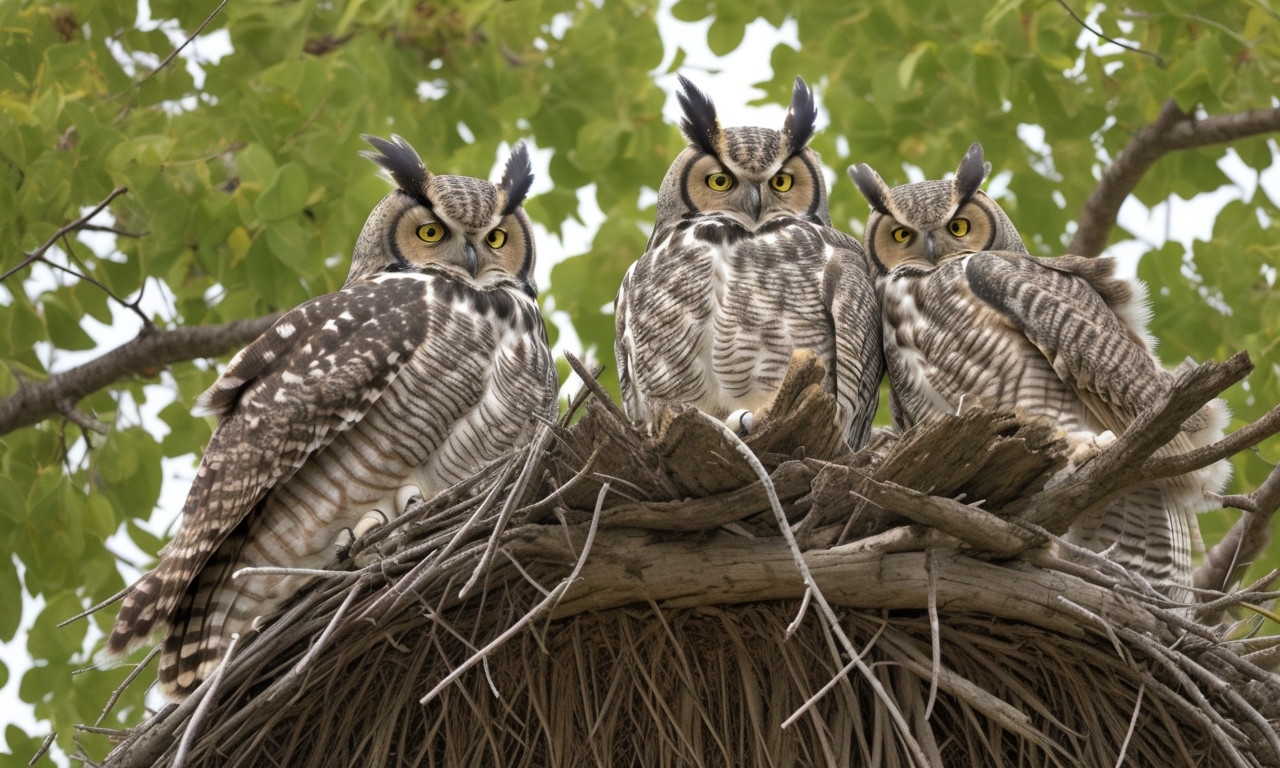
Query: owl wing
point(622, 346)
point(860, 365)
point(312, 375)
point(1092, 349)
point(1066, 309)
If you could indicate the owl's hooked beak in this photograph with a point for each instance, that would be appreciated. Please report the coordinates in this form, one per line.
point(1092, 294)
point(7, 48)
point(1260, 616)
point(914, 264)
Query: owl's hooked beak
point(470, 261)
point(754, 202)
point(930, 247)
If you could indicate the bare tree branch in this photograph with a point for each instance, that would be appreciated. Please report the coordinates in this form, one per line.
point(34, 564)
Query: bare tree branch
point(149, 351)
point(1112, 40)
point(38, 254)
point(1246, 437)
point(1225, 564)
point(1172, 130)
point(172, 54)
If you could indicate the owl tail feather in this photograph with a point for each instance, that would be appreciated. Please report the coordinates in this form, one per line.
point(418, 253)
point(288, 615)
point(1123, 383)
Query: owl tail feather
point(216, 609)
point(1147, 532)
point(142, 611)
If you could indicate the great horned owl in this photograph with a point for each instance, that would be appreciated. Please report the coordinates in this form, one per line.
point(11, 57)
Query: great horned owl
point(429, 362)
point(742, 269)
point(969, 318)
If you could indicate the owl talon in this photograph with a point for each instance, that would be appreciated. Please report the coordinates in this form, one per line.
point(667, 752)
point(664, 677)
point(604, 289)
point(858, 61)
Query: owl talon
point(342, 544)
point(1082, 447)
point(371, 520)
point(741, 422)
point(1085, 445)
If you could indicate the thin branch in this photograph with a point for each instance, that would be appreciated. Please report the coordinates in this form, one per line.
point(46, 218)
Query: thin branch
point(1248, 436)
point(589, 381)
point(1112, 40)
point(44, 747)
point(1133, 724)
point(148, 352)
point(210, 687)
point(1172, 130)
point(1225, 564)
point(38, 253)
point(169, 59)
point(133, 306)
point(1264, 500)
point(120, 689)
point(78, 417)
point(113, 230)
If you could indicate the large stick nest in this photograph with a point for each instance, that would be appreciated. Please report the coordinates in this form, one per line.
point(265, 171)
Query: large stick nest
point(606, 597)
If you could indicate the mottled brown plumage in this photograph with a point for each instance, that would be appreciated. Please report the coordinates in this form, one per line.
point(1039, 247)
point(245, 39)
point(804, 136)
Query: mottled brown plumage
point(743, 268)
point(429, 362)
point(971, 319)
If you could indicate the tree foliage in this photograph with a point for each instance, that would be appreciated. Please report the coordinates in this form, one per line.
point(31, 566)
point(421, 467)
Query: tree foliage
point(244, 192)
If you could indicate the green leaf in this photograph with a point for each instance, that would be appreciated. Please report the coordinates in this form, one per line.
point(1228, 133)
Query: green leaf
point(286, 195)
point(724, 36)
point(63, 322)
point(907, 67)
point(10, 599)
point(49, 641)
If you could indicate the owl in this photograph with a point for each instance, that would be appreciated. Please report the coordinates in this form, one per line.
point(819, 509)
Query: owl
point(742, 269)
point(970, 318)
point(430, 361)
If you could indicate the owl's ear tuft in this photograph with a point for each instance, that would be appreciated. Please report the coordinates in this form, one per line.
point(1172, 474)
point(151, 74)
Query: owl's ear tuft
point(871, 186)
point(970, 174)
point(700, 124)
point(516, 179)
point(401, 161)
point(801, 116)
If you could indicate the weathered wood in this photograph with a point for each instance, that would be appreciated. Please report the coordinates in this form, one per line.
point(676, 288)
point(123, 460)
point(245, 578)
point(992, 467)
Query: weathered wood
point(791, 480)
point(972, 617)
point(724, 569)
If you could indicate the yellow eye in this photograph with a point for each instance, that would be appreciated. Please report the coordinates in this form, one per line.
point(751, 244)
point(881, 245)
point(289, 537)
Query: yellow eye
point(720, 181)
point(496, 238)
point(958, 227)
point(431, 232)
point(782, 182)
point(901, 235)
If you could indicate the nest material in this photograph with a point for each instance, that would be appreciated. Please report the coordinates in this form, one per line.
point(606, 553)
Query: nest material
point(609, 598)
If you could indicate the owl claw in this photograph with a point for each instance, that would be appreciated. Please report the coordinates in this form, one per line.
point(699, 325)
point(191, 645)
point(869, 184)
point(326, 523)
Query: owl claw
point(344, 545)
point(370, 522)
point(374, 518)
point(741, 422)
point(1085, 445)
point(1082, 446)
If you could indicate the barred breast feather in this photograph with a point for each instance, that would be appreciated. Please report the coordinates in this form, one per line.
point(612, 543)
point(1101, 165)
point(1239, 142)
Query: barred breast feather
point(711, 314)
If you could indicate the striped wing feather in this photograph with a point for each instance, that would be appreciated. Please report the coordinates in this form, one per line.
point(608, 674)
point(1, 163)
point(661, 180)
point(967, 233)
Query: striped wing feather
point(859, 356)
point(312, 375)
point(1085, 323)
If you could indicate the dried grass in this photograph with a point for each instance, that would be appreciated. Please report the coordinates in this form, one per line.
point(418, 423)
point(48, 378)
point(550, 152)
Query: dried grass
point(565, 607)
